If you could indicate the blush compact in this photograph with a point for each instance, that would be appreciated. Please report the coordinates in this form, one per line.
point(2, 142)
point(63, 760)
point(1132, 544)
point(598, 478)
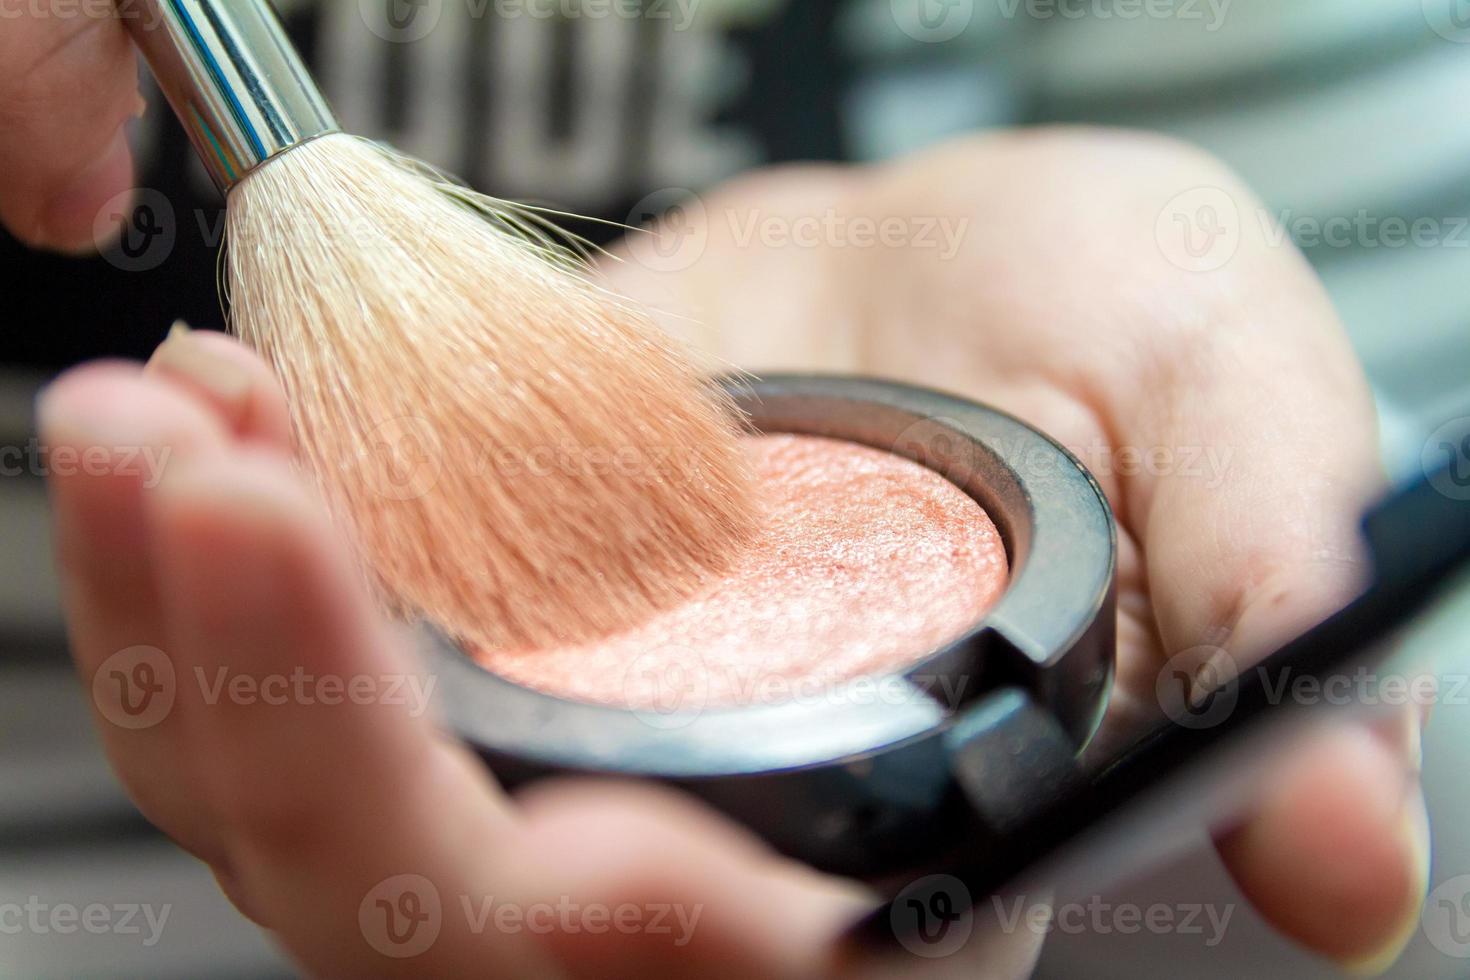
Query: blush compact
point(864, 561)
point(910, 655)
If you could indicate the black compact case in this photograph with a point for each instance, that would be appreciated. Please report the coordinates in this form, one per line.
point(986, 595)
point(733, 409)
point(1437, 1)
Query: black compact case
point(954, 751)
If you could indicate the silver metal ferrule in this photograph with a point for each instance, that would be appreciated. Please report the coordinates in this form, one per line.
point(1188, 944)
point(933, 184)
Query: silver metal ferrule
point(233, 79)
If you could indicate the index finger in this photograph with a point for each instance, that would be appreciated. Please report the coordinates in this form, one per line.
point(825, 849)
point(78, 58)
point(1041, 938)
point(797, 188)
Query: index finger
point(68, 84)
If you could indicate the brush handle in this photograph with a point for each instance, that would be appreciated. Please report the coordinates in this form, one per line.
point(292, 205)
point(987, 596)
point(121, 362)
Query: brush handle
point(233, 79)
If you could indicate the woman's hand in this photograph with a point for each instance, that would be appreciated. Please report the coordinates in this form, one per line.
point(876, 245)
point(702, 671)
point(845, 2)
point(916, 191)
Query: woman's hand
point(68, 84)
point(215, 565)
point(1058, 305)
point(1066, 276)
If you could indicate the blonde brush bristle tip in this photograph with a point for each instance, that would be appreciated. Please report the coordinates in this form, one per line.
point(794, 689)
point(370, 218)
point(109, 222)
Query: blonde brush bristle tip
point(520, 457)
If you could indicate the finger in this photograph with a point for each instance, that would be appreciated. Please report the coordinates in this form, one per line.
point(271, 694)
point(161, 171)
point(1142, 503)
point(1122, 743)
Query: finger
point(1243, 369)
point(800, 318)
point(734, 908)
point(322, 795)
point(324, 805)
point(1053, 297)
point(1248, 424)
point(1061, 304)
point(230, 380)
point(67, 87)
point(1337, 855)
point(110, 433)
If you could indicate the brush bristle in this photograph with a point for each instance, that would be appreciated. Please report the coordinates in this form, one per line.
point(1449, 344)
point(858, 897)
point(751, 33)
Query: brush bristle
point(520, 457)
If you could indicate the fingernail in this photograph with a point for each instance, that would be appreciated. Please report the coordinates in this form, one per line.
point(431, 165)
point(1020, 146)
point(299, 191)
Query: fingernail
point(183, 356)
point(1413, 831)
point(77, 220)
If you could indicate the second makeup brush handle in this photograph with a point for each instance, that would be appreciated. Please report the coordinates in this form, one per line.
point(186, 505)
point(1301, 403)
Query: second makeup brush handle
point(232, 77)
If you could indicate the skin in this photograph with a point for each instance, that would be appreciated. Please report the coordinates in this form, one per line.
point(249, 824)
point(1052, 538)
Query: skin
point(1059, 307)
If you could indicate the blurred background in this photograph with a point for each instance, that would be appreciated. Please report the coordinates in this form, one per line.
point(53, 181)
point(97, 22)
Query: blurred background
point(1347, 116)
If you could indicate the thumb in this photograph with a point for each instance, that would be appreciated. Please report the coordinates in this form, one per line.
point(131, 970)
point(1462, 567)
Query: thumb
point(68, 83)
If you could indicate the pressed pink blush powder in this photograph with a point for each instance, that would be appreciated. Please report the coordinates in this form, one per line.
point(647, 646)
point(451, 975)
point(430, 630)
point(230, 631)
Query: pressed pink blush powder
point(866, 562)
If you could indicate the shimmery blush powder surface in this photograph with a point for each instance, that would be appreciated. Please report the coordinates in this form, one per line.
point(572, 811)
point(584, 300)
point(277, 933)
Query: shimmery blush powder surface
point(866, 562)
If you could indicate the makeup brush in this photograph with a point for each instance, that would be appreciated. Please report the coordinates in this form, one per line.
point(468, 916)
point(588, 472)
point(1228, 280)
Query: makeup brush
point(520, 456)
